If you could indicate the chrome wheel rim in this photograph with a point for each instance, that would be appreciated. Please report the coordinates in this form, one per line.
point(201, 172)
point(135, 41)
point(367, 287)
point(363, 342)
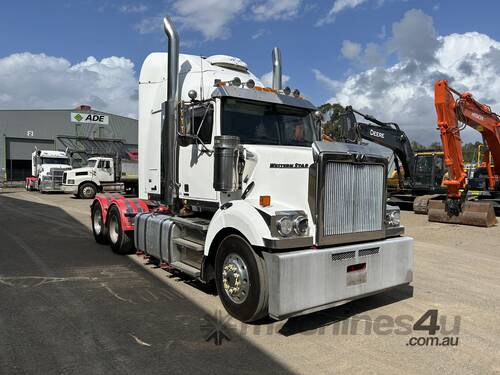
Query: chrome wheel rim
point(87, 191)
point(114, 229)
point(97, 221)
point(235, 278)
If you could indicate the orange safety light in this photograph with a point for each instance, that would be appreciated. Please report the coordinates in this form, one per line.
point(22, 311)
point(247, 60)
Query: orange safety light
point(265, 200)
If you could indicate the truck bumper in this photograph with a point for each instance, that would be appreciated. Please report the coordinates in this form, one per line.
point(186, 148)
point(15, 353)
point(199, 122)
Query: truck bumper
point(70, 189)
point(314, 279)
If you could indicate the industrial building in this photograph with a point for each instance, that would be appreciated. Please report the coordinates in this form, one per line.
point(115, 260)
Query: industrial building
point(22, 131)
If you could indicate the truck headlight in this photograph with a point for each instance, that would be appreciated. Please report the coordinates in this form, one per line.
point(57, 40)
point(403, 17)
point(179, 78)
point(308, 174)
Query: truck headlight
point(71, 182)
point(46, 177)
point(393, 218)
point(301, 225)
point(284, 226)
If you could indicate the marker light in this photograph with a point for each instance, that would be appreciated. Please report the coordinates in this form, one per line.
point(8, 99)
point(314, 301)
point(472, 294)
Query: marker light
point(192, 94)
point(236, 81)
point(265, 200)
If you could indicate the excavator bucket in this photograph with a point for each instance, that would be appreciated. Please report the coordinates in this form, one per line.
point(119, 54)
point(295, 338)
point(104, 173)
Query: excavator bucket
point(421, 203)
point(479, 214)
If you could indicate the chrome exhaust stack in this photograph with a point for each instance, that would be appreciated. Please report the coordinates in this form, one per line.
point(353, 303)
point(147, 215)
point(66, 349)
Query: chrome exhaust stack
point(169, 146)
point(276, 68)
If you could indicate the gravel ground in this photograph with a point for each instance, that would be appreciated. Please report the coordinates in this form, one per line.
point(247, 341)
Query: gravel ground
point(93, 311)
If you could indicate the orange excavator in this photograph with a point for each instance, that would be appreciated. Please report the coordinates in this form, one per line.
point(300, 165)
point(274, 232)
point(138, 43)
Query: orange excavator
point(456, 110)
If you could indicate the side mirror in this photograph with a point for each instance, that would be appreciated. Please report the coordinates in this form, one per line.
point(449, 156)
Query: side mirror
point(318, 122)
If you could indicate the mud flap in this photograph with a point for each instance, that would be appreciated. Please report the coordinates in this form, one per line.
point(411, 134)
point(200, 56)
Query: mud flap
point(479, 214)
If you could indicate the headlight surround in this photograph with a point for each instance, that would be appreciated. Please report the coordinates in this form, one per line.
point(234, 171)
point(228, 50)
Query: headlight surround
point(393, 218)
point(284, 226)
point(301, 225)
point(46, 177)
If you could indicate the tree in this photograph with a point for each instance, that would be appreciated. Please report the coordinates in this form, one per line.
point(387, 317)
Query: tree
point(417, 146)
point(331, 119)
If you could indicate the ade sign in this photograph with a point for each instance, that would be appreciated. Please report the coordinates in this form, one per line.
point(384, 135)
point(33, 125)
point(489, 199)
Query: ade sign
point(89, 118)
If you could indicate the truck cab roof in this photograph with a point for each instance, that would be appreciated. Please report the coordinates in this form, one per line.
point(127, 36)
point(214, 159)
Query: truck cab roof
point(50, 154)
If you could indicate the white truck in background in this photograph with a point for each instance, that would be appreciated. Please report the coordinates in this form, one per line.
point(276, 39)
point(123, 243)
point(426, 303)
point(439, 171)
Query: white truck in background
point(47, 168)
point(236, 187)
point(102, 174)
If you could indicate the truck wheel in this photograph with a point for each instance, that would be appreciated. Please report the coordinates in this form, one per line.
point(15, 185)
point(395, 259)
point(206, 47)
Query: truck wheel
point(87, 190)
point(98, 228)
point(241, 279)
point(121, 242)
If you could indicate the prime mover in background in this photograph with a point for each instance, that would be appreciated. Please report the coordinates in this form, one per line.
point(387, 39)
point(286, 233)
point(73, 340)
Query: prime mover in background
point(47, 168)
point(236, 188)
point(102, 174)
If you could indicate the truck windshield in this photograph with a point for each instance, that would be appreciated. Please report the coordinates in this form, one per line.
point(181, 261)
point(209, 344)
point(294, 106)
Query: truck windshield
point(266, 123)
point(55, 161)
point(91, 163)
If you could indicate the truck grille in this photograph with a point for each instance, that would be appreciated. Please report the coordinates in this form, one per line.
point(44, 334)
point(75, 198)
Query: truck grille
point(57, 175)
point(353, 198)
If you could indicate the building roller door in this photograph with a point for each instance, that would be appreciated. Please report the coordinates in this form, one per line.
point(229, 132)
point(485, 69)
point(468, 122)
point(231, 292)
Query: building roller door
point(18, 155)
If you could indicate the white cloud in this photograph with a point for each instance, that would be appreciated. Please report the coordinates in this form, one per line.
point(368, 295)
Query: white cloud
point(327, 82)
point(350, 50)
point(276, 10)
point(371, 55)
point(209, 17)
point(404, 92)
point(149, 25)
point(337, 7)
point(267, 79)
point(259, 33)
point(133, 8)
point(40, 81)
point(414, 37)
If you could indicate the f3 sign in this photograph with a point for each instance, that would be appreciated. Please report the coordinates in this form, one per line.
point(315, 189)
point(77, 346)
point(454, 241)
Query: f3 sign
point(89, 118)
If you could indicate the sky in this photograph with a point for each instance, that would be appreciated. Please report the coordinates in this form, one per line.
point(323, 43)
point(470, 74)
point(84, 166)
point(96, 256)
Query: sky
point(380, 56)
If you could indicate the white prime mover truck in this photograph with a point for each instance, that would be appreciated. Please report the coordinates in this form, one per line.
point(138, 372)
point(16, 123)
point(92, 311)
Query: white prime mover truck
point(102, 174)
point(236, 188)
point(47, 168)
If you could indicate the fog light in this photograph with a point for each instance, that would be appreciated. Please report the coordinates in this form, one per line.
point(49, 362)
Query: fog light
point(393, 218)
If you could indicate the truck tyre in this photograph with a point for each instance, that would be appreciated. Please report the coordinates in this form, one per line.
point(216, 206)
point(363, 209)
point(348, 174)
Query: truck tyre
point(98, 228)
point(241, 279)
point(87, 190)
point(121, 242)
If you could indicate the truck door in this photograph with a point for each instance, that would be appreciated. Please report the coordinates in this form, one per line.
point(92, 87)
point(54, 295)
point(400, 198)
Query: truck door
point(104, 171)
point(195, 159)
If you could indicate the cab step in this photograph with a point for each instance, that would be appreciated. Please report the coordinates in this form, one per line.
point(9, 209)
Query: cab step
point(186, 268)
point(189, 243)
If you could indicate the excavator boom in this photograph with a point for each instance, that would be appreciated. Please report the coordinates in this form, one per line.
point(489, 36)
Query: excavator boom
point(451, 112)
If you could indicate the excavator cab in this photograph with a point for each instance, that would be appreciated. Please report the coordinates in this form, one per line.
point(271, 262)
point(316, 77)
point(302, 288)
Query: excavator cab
point(429, 171)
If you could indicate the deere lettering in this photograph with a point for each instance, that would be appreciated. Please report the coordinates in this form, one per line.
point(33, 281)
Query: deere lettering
point(90, 118)
point(377, 134)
